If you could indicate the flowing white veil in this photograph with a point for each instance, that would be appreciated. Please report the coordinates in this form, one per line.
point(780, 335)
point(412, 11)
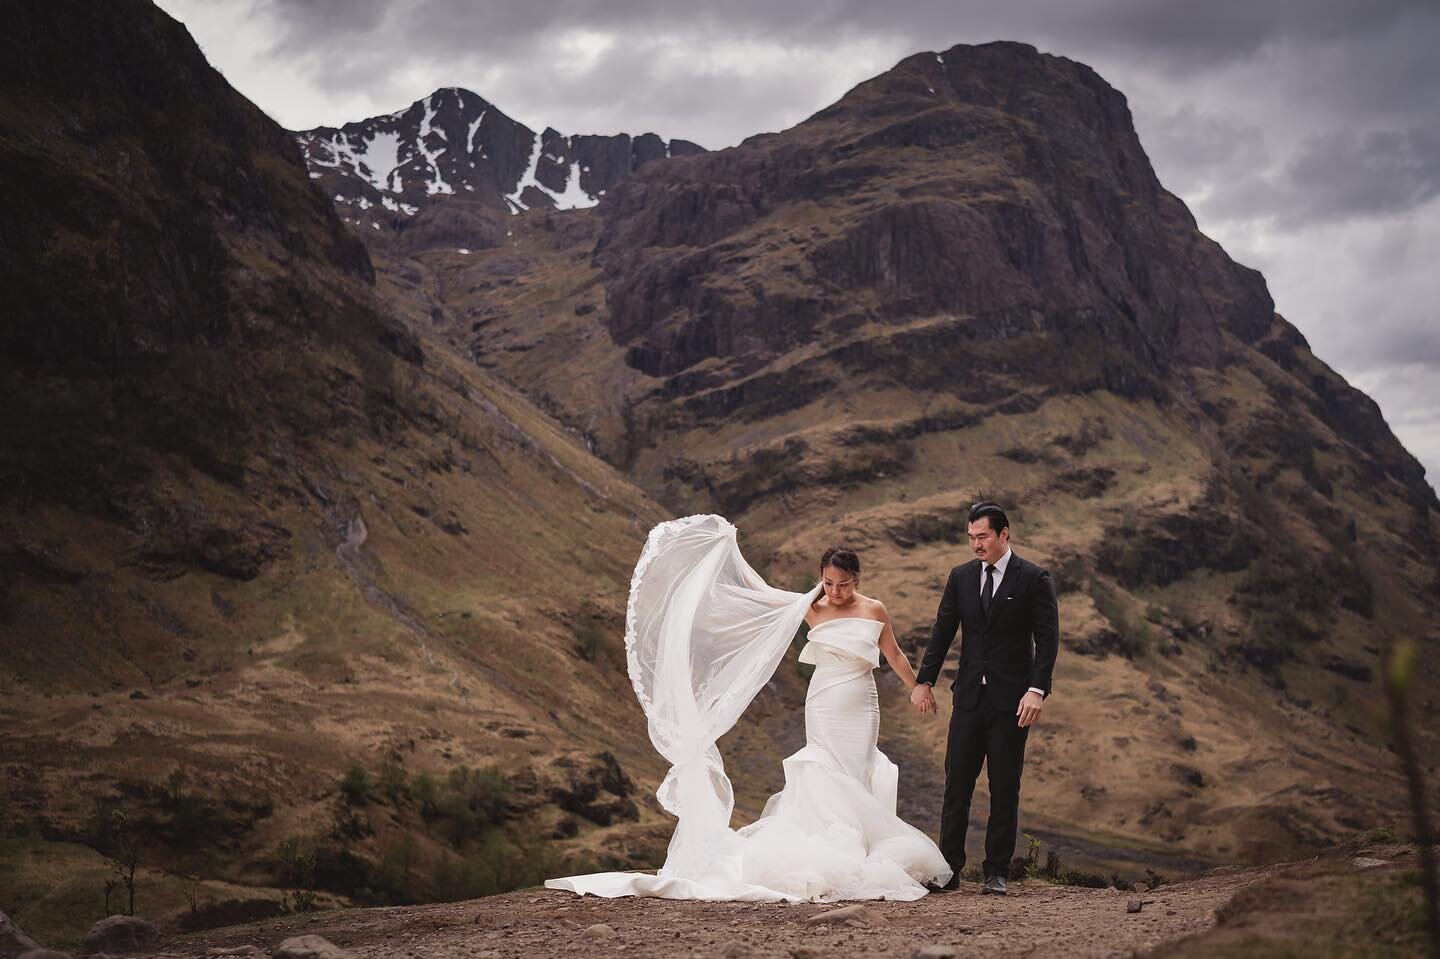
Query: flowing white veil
point(703, 633)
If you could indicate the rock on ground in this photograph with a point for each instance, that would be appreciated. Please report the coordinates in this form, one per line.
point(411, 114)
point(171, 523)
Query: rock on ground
point(117, 934)
point(309, 947)
point(849, 914)
point(935, 952)
point(13, 942)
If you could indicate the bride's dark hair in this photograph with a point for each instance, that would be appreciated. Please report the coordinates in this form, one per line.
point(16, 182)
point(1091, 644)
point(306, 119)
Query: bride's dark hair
point(841, 557)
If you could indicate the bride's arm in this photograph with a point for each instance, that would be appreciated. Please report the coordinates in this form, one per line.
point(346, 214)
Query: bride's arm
point(898, 661)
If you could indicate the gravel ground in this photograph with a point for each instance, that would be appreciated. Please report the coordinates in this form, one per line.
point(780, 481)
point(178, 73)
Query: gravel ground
point(1035, 919)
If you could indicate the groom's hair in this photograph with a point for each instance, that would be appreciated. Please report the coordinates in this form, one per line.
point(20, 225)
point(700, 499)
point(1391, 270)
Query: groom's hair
point(998, 519)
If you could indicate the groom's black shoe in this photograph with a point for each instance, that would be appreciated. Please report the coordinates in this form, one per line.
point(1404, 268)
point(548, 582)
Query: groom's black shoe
point(950, 886)
point(994, 886)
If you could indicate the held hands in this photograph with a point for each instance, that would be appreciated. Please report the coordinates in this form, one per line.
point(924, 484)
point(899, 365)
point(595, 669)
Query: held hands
point(1029, 708)
point(922, 697)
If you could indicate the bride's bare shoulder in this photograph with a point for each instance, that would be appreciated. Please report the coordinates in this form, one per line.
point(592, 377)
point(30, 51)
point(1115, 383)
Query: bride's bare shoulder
point(815, 611)
point(871, 608)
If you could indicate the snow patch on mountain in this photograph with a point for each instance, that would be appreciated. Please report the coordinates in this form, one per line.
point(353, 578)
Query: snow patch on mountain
point(572, 198)
point(475, 128)
point(436, 183)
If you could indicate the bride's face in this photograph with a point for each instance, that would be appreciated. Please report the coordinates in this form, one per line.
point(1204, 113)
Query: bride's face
point(839, 585)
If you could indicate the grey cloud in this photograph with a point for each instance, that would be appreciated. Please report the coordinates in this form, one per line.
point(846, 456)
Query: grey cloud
point(1174, 38)
point(1335, 176)
point(1343, 173)
point(323, 20)
point(1201, 149)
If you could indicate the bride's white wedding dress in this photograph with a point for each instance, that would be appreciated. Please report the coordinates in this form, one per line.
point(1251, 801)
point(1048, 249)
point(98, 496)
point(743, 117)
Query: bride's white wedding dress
point(704, 633)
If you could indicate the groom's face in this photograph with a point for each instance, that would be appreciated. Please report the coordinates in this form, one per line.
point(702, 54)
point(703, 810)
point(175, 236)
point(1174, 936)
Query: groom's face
point(988, 545)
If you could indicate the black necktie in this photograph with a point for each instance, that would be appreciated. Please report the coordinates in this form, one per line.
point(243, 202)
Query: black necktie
point(989, 594)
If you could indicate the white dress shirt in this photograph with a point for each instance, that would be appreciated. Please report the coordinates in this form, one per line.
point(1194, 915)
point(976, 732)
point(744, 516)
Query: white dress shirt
point(1000, 566)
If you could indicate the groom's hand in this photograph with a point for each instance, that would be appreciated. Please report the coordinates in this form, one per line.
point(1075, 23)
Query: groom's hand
point(923, 698)
point(1029, 709)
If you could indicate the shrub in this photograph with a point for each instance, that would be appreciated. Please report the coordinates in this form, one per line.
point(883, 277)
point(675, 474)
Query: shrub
point(471, 801)
point(1133, 635)
point(589, 641)
point(355, 785)
point(426, 793)
point(295, 872)
point(391, 782)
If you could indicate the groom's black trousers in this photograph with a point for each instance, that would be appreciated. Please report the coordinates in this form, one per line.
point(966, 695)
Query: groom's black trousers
point(990, 736)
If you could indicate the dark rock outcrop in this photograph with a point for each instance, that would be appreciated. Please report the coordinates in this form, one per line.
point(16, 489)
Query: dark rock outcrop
point(13, 941)
point(121, 934)
point(172, 280)
point(1039, 225)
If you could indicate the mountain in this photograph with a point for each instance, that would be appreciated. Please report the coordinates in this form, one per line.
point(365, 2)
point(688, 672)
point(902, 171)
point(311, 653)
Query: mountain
point(385, 170)
point(961, 280)
point(315, 539)
point(258, 530)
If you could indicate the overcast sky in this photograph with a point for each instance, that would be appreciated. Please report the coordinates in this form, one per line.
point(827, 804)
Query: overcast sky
point(1304, 134)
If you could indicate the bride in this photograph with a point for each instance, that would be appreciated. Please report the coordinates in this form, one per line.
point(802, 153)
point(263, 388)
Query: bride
point(703, 634)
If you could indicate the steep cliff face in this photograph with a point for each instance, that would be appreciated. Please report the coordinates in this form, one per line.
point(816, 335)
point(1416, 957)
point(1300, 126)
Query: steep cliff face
point(998, 189)
point(964, 279)
point(253, 530)
point(138, 185)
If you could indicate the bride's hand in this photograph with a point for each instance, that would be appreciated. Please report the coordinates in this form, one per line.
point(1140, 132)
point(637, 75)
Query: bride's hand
point(922, 697)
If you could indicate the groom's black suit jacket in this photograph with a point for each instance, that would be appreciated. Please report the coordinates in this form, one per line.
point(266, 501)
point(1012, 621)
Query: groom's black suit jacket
point(1013, 647)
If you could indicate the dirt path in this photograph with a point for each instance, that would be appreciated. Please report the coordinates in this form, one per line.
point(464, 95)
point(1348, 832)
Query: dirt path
point(1035, 919)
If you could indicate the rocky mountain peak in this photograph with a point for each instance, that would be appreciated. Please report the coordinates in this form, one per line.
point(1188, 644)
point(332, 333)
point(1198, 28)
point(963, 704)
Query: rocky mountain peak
point(993, 185)
point(456, 143)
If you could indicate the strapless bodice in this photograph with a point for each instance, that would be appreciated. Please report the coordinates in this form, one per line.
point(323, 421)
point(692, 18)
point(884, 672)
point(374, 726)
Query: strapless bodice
point(845, 640)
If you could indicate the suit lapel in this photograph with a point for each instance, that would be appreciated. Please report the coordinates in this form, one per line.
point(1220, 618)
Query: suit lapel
point(970, 584)
point(1007, 585)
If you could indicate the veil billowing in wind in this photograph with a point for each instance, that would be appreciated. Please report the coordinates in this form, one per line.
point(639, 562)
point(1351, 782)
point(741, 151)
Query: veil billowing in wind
point(703, 633)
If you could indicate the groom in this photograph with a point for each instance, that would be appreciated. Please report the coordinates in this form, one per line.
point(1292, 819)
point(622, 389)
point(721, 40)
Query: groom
point(1005, 609)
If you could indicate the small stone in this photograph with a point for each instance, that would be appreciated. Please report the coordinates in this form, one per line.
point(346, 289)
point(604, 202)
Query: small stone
point(309, 947)
point(13, 942)
point(1134, 905)
point(598, 931)
point(935, 952)
point(1140, 887)
point(734, 949)
point(1365, 862)
point(863, 914)
point(121, 934)
point(139, 694)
